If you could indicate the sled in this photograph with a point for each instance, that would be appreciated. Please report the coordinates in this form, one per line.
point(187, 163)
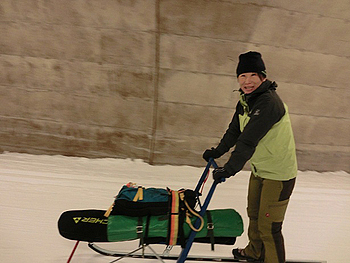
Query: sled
point(91, 226)
point(154, 255)
point(94, 226)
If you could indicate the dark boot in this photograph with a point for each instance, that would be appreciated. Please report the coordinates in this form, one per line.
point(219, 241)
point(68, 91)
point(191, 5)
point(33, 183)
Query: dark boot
point(239, 254)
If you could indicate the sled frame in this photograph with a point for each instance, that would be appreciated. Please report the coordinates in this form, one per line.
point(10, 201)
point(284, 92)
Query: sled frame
point(121, 255)
point(199, 258)
point(184, 252)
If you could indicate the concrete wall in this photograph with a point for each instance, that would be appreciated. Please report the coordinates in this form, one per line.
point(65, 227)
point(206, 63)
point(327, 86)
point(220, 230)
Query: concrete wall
point(153, 79)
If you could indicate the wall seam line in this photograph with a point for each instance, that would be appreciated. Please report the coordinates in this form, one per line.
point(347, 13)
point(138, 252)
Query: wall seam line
point(155, 84)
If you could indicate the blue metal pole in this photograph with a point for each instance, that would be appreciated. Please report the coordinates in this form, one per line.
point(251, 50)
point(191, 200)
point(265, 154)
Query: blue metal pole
point(186, 250)
point(204, 175)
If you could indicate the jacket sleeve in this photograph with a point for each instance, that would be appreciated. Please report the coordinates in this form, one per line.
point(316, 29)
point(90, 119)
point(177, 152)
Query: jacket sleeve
point(265, 113)
point(231, 135)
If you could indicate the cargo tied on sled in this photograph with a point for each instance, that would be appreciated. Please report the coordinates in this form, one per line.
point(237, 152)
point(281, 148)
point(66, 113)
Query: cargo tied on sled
point(155, 216)
point(221, 226)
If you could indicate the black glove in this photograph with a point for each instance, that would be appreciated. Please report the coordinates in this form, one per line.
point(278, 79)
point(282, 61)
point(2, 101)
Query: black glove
point(219, 174)
point(212, 153)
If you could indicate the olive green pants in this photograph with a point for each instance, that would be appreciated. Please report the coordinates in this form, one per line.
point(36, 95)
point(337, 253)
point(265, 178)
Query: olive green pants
point(267, 205)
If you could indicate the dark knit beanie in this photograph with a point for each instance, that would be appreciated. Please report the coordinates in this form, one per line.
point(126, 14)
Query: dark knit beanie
point(251, 62)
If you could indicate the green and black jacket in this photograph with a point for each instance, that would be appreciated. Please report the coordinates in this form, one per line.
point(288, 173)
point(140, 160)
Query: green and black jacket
point(261, 132)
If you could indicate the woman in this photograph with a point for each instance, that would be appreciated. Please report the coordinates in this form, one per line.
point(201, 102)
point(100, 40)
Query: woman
point(260, 131)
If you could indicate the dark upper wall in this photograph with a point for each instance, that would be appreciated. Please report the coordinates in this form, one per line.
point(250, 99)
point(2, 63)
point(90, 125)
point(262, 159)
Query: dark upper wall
point(154, 79)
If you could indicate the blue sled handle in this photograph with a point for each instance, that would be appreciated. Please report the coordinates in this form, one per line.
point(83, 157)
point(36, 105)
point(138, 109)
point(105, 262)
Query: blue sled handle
point(204, 174)
point(193, 233)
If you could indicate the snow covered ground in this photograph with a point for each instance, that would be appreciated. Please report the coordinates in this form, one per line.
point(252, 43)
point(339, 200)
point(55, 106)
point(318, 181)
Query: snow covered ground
point(35, 190)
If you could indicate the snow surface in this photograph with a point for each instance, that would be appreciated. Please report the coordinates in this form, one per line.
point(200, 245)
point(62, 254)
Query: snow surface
point(36, 189)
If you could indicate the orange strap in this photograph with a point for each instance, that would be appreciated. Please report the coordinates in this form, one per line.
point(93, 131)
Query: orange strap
point(139, 194)
point(174, 218)
point(109, 210)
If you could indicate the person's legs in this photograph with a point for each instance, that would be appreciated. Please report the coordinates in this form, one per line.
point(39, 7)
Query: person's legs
point(273, 204)
point(255, 247)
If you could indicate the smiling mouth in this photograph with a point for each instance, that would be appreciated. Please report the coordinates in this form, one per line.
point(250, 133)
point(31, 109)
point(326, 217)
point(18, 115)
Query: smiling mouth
point(248, 90)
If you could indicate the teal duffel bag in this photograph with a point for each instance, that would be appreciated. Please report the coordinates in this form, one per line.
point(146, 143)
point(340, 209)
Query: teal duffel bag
point(141, 201)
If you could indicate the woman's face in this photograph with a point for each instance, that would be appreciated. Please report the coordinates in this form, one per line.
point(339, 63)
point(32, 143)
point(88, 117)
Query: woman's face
point(250, 81)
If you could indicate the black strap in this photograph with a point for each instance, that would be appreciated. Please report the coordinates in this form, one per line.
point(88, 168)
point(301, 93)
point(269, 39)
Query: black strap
point(145, 236)
point(181, 237)
point(210, 227)
point(139, 230)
